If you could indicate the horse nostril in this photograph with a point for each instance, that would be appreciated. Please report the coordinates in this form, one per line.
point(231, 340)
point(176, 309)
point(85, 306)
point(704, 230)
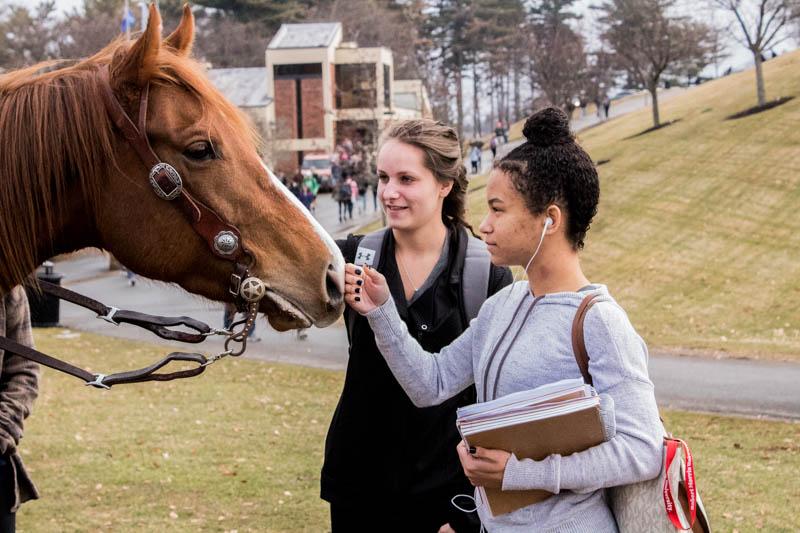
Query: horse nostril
point(334, 283)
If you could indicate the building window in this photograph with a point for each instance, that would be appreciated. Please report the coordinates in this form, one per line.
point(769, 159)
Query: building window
point(302, 70)
point(356, 86)
point(387, 87)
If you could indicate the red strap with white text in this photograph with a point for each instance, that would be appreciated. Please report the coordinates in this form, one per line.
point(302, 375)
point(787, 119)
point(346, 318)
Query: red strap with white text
point(691, 488)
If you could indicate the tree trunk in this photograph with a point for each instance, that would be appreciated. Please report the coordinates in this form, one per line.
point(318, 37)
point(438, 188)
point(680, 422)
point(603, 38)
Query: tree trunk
point(476, 110)
point(491, 102)
point(760, 90)
point(653, 89)
point(517, 111)
point(459, 75)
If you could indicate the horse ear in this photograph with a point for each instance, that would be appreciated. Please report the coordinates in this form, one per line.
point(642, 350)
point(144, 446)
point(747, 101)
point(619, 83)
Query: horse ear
point(139, 62)
point(182, 38)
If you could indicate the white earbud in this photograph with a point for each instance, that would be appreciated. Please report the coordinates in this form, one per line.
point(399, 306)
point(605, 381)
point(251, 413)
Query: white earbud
point(548, 222)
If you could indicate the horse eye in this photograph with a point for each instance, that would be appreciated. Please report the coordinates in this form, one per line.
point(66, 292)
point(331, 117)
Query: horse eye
point(200, 151)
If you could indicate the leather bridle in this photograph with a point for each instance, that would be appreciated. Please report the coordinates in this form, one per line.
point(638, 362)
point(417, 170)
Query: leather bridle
point(223, 239)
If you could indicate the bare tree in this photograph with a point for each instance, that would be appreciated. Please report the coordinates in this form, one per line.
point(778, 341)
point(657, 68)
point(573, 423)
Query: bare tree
point(559, 65)
point(648, 39)
point(27, 36)
point(558, 58)
point(762, 25)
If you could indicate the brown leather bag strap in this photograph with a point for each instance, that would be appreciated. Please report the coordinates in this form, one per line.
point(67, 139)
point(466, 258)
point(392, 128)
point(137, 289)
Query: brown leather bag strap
point(578, 343)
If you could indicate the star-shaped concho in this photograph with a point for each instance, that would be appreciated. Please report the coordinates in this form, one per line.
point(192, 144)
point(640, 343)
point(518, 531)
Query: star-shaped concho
point(253, 289)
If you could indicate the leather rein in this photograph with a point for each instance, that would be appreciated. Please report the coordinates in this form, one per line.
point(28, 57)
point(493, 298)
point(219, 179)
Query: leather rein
point(223, 239)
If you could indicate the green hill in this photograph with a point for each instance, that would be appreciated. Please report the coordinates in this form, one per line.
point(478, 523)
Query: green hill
point(698, 231)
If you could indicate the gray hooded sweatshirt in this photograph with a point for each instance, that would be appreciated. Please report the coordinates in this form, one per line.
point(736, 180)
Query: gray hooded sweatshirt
point(515, 344)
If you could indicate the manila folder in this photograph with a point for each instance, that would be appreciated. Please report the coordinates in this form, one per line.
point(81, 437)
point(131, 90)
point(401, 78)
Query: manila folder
point(564, 434)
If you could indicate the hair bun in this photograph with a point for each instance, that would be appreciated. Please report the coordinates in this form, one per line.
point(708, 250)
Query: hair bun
point(547, 127)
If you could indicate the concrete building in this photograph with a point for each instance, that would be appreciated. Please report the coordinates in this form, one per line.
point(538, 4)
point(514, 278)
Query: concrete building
point(246, 88)
point(324, 91)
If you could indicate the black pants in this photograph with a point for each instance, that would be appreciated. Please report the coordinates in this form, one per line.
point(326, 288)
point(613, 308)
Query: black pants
point(396, 514)
point(7, 518)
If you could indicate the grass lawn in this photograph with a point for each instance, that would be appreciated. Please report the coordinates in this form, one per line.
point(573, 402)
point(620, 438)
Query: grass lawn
point(697, 233)
point(240, 448)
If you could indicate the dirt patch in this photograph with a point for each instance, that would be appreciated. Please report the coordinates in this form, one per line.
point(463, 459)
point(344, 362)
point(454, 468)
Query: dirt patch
point(759, 108)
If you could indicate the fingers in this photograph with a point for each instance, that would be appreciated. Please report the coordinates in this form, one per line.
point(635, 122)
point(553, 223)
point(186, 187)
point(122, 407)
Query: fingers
point(353, 281)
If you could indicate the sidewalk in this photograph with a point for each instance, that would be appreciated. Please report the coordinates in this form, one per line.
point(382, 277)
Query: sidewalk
point(619, 108)
point(726, 386)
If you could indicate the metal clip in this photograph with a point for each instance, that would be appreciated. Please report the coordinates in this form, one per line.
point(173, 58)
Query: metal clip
point(216, 331)
point(98, 382)
point(109, 317)
point(214, 358)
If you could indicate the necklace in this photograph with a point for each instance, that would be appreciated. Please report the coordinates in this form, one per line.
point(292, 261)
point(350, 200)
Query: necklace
point(405, 270)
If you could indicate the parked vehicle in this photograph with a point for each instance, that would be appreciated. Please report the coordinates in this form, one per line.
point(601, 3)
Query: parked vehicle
point(320, 165)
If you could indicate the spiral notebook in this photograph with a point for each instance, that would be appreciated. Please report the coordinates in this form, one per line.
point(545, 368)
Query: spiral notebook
point(557, 418)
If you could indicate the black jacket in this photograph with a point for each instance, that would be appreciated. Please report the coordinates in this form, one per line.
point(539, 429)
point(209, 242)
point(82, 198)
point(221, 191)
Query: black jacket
point(379, 444)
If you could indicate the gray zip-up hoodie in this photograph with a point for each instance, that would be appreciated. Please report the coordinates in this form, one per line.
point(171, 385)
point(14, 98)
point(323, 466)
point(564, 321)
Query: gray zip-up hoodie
point(542, 353)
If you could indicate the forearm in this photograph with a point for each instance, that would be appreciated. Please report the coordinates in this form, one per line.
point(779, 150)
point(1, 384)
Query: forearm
point(428, 379)
point(633, 454)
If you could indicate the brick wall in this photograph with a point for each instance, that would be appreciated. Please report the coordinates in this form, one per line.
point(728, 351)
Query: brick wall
point(313, 108)
point(285, 109)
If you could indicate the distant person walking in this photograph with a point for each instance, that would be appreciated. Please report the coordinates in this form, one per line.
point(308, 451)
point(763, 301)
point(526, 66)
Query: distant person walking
point(312, 184)
point(475, 158)
point(344, 195)
point(493, 147)
point(361, 190)
point(606, 106)
point(501, 132)
point(353, 195)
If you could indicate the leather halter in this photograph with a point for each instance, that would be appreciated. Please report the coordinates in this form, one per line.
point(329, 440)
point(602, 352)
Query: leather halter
point(168, 185)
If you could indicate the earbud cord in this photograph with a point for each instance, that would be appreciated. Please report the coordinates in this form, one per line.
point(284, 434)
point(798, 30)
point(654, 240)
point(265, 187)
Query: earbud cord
point(535, 253)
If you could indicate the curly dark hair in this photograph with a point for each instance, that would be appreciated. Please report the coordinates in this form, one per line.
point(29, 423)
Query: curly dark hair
point(551, 168)
point(443, 158)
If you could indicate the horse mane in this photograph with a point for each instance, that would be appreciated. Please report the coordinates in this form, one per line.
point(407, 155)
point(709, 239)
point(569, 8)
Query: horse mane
point(55, 132)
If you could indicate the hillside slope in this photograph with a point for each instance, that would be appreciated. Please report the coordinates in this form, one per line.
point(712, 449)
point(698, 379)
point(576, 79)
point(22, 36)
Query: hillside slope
point(698, 231)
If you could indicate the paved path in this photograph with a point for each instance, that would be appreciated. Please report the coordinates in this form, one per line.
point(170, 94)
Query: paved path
point(744, 387)
point(620, 107)
point(752, 388)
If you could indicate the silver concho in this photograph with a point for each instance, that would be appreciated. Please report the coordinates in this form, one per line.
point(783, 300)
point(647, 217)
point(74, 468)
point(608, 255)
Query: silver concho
point(172, 175)
point(226, 242)
point(253, 289)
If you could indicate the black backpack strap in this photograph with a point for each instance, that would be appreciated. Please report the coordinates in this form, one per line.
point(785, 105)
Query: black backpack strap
point(369, 249)
point(475, 275)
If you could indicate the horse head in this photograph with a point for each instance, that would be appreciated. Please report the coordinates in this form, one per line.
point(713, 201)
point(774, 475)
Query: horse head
point(106, 200)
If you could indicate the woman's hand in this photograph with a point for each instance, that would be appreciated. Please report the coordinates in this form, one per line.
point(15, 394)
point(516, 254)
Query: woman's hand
point(364, 288)
point(483, 467)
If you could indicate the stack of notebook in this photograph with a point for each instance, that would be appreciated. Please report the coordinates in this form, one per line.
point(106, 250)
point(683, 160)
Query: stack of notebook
point(558, 418)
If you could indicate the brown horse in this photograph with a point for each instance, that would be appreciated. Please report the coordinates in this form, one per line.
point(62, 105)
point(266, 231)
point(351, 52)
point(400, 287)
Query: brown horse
point(69, 180)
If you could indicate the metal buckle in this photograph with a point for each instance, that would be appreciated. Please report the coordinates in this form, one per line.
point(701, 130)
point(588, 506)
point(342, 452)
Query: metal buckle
point(172, 175)
point(98, 382)
point(109, 317)
point(236, 283)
